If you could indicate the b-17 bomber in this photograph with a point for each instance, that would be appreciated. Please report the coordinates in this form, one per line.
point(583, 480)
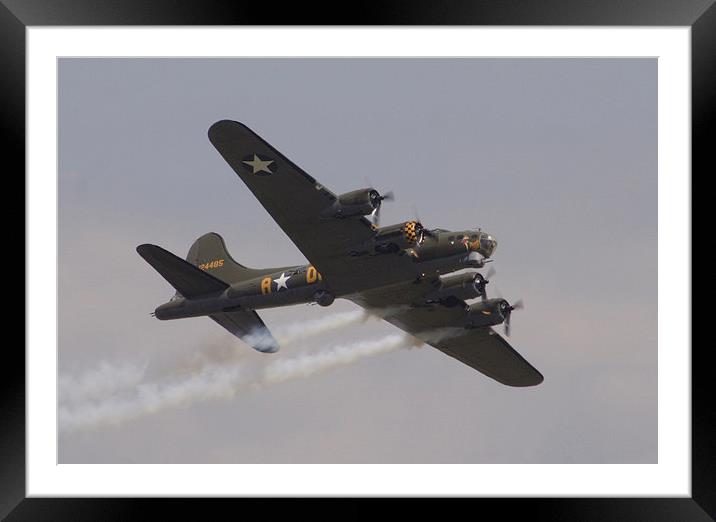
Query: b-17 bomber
point(418, 279)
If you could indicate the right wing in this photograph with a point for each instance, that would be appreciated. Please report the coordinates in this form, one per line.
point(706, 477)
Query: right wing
point(296, 201)
point(489, 352)
point(483, 349)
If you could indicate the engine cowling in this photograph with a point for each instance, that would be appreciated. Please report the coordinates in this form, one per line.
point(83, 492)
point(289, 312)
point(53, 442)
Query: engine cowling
point(462, 286)
point(487, 313)
point(398, 237)
point(360, 202)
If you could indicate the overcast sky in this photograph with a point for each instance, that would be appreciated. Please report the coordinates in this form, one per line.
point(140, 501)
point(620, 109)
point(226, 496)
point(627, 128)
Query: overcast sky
point(555, 157)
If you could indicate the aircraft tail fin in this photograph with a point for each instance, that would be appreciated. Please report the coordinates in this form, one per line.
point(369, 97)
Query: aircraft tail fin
point(209, 253)
point(188, 280)
point(191, 281)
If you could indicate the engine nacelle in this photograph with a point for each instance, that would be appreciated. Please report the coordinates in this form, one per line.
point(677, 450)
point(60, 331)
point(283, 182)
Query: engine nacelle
point(360, 202)
point(462, 286)
point(487, 313)
point(398, 237)
point(474, 260)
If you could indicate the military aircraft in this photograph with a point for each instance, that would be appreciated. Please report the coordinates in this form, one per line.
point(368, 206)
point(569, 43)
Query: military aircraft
point(403, 273)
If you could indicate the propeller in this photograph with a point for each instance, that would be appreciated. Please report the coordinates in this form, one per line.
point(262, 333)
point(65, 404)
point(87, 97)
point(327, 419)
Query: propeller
point(498, 292)
point(506, 309)
point(482, 281)
point(388, 196)
point(426, 232)
point(377, 201)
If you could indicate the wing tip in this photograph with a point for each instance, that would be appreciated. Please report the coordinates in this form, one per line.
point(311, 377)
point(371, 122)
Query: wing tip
point(146, 249)
point(261, 340)
point(220, 126)
point(529, 384)
point(533, 379)
point(268, 349)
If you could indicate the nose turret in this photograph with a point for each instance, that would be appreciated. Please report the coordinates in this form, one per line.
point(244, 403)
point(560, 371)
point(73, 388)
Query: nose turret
point(488, 244)
point(481, 242)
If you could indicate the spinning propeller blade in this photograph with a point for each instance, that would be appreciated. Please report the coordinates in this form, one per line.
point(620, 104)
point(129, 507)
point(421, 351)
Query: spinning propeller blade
point(507, 313)
point(378, 202)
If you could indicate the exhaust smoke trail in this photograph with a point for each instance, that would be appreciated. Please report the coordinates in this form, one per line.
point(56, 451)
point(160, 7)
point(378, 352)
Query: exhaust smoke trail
point(101, 382)
point(148, 398)
point(307, 364)
point(218, 382)
point(228, 349)
point(297, 331)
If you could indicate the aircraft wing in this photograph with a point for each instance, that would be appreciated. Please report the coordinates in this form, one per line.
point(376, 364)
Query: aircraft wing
point(296, 200)
point(444, 328)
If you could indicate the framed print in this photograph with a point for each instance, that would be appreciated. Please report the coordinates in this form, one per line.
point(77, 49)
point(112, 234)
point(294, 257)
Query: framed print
point(568, 132)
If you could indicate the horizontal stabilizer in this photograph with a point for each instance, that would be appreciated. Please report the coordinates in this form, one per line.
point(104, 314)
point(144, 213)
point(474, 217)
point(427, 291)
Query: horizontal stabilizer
point(248, 326)
point(188, 280)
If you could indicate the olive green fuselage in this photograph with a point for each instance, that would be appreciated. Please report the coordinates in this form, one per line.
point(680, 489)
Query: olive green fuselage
point(292, 285)
point(439, 253)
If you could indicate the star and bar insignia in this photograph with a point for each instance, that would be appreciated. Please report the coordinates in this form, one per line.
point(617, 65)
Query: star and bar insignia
point(259, 165)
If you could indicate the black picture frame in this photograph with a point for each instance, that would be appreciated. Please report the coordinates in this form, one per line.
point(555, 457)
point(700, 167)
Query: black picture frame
point(17, 15)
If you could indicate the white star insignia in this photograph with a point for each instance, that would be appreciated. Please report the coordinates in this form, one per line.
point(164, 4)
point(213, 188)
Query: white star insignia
point(281, 282)
point(259, 165)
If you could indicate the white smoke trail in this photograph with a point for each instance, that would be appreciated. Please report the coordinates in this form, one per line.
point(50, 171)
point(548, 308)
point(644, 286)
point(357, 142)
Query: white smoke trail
point(302, 330)
point(100, 382)
point(218, 382)
point(263, 340)
point(229, 349)
point(212, 382)
point(308, 364)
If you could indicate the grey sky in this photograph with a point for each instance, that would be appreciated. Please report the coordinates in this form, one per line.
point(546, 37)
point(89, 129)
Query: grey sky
point(555, 157)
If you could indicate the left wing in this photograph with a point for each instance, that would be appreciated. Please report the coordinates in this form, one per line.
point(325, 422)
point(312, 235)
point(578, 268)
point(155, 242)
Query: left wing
point(296, 201)
point(443, 327)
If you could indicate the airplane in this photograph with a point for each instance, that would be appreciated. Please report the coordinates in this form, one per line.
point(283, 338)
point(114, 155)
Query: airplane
point(403, 273)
